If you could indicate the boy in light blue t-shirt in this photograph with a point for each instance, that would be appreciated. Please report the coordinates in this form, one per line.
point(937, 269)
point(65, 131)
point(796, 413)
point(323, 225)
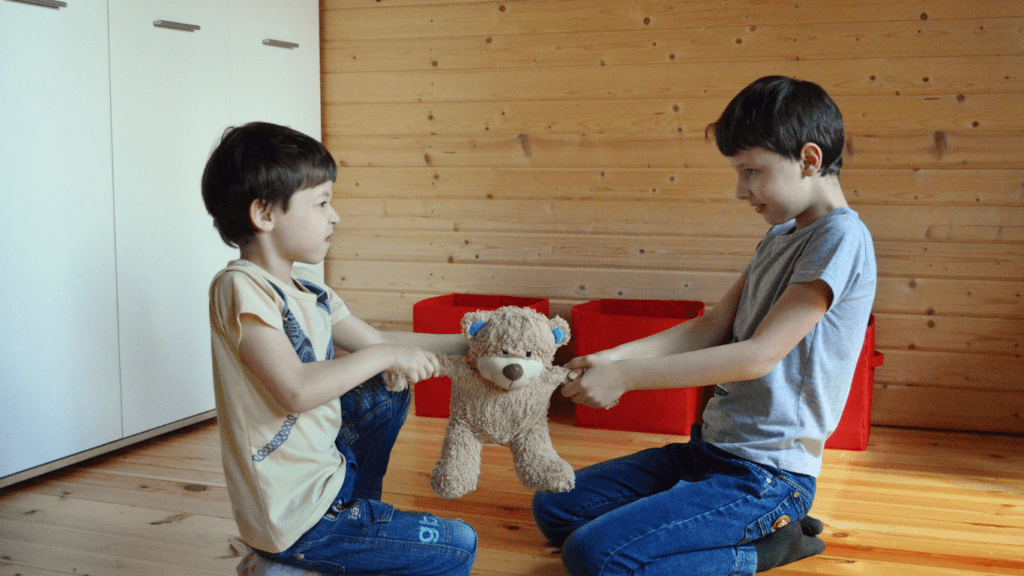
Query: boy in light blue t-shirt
point(780, 348)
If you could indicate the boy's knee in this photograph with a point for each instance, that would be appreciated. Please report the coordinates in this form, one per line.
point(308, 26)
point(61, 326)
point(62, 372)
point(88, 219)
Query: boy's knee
point(580, 556)
point(547, 518)
point(463, 536)
point(462, 541)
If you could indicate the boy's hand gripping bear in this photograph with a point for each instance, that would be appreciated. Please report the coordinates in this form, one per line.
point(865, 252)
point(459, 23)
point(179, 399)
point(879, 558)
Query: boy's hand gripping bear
point(501, 392)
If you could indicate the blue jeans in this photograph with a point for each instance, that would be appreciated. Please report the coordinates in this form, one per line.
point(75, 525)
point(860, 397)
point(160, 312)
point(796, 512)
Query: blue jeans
point(680, 509)
point(359, 534)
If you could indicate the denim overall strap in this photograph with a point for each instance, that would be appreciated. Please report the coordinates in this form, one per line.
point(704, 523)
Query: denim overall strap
point(300, 342)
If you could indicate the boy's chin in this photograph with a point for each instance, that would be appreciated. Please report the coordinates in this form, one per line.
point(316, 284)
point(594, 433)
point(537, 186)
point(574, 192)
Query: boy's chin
point(312, 260)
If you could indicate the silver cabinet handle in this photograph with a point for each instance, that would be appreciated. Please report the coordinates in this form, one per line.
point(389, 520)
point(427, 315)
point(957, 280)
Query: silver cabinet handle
point(55, 4)
point(175, 25)
point(280, 43)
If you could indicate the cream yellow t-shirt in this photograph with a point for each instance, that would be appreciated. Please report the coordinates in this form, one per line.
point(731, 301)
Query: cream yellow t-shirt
point(283, 470)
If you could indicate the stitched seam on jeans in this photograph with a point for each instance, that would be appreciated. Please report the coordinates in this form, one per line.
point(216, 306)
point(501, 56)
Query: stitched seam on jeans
point(757, 469)
point(798, 487)
point(609, 501)
point(671, 524)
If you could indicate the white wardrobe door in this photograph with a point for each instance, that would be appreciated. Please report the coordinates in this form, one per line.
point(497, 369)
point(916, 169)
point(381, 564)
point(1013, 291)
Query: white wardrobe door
point(59, 387)
point(278, 81)
point(170, 103)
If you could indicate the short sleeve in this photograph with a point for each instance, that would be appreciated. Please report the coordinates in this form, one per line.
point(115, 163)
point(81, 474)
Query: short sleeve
point(339, 311)
point(234, 293)
point(835, 254)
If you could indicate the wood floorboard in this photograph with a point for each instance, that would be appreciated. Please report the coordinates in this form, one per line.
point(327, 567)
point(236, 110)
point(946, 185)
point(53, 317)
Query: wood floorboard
point(916, 503)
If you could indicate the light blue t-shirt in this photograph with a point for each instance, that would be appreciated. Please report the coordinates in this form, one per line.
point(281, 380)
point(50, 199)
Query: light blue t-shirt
point(784, 418)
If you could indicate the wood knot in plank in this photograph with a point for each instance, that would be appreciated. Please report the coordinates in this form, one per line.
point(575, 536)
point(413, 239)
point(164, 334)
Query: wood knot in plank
point(525, 144)
point(941, 144)
point(171, 519)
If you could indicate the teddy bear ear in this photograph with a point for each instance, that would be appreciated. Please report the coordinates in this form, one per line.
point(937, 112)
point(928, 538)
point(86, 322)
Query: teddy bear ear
point(472, 322)
point(476, 326)
point(560, 328)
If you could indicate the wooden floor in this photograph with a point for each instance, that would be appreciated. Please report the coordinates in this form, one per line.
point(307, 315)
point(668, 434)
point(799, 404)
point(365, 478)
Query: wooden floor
point(915, 503)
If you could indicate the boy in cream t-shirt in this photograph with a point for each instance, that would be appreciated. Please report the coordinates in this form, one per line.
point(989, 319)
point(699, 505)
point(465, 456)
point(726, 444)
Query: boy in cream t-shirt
point(306, 436)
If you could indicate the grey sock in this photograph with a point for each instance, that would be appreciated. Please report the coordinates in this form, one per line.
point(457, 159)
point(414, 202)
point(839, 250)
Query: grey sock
point(786, 545)
point(811, 526)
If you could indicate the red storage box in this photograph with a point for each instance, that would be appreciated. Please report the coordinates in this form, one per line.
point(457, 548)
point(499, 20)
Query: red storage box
point(443, 315)
point(855, 425)
point(603, 324)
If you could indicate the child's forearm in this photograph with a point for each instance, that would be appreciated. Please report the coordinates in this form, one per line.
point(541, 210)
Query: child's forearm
point(711, 329)
point(696, 334)
point(297, 386)
point(314, 384)
point(353, 334)
point(606, 380)
point(451, 344)
point(796, 312)
point(318, 383)
point(728, 363)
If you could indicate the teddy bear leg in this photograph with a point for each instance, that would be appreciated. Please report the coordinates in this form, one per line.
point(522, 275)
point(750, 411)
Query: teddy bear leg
point(538, 465)
point(457, 469)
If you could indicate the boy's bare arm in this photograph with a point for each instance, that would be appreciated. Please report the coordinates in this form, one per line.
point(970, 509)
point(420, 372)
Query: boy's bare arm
point(799, 308)
point(711, 329)
point(298, 387)
point(353, 334)
point(451, 344)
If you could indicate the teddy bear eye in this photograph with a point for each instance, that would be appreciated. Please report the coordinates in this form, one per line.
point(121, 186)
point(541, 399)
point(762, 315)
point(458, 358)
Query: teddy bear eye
point(504, 352)
point(528, 354)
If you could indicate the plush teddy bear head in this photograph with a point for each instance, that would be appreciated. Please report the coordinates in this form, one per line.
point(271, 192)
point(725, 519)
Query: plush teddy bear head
point(511, 346)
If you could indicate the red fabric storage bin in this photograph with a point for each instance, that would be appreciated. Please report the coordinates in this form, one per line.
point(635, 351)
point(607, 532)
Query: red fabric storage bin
point(443, 315)
point(855, 425)
point(603, 324)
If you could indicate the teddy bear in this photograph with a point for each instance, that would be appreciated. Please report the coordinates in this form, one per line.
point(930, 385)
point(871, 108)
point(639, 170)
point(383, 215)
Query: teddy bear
point(501, 392)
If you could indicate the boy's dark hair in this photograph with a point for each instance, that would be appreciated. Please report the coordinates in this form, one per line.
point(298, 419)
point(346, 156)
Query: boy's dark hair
point(782, 114)
point(260, 161)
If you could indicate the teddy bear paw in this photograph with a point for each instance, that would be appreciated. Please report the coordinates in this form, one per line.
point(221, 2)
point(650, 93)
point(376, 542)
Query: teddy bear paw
point(450, 484)
point(552, 476)
point(395, 381)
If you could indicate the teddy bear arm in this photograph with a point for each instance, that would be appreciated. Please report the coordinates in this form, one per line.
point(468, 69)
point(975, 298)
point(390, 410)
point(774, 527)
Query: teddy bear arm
point(395, 381)
point(453, 366)
point(538, 465)
point(456, 471)
point(559, 374)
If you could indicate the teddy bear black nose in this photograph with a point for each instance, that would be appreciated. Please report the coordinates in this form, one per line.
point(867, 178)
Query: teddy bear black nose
point(513, 372)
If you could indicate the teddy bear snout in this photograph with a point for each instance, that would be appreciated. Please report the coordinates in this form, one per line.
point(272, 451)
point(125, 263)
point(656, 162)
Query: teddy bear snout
point(513, 372)
point(509, 373)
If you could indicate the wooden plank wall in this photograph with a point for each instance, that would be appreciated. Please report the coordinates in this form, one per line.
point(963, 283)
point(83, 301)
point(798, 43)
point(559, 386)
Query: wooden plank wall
point(555, 148)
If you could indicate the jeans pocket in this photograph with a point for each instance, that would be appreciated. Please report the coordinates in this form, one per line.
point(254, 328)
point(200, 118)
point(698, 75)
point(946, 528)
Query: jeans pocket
point(792, 506)
point(380, 512)
point(762, 479)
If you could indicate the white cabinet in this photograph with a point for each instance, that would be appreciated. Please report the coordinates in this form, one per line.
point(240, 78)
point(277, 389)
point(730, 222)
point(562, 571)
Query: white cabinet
point(107, 248)
point(275, 82)
point(170, 101)
point(59, 390)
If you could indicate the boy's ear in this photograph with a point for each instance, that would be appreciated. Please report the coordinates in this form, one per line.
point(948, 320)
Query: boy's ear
point(810, 157)
point(261, 214)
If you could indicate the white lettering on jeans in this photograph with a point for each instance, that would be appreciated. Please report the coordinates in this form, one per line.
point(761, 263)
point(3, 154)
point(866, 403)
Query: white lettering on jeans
point(429, 535)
